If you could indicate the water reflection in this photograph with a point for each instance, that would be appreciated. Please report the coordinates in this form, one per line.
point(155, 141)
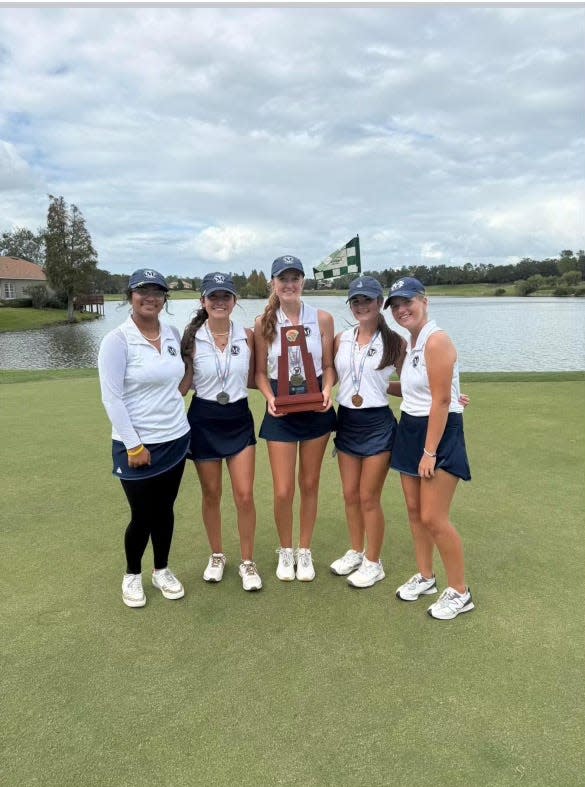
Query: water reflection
point(491, 334)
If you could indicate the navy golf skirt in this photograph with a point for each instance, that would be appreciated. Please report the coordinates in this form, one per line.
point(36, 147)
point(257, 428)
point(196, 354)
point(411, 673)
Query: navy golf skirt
point(163, 456)
point(410, 441)
point(219, 431)
point(365, 432)
point(297, 427)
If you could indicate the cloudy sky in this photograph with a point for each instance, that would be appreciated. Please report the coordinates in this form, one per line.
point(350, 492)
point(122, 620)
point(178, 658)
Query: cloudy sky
point(197, 139)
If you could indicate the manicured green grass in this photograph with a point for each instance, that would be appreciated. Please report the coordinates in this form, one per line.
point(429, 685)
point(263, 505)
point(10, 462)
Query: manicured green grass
point(302, 683)
point(32, 319)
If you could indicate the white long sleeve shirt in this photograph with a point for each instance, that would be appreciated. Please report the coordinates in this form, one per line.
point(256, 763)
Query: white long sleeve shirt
point(139, 385)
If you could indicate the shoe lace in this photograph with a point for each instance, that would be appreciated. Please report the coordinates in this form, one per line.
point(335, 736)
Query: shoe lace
point(135, 583)
point(286, 557)
point(449, 598)
point(216, 561)
point(304, 557)
point(249, 567)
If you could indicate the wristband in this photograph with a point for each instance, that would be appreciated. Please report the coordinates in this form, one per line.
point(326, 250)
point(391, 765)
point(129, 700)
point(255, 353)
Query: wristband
point(135, 451)
point(428, 453)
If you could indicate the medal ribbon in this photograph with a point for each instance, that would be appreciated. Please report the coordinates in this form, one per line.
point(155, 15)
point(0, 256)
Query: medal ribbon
point(356, 376)
point(217, 354)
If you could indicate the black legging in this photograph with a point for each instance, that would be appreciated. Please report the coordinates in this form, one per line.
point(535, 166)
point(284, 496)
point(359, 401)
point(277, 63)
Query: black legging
point(151, 504)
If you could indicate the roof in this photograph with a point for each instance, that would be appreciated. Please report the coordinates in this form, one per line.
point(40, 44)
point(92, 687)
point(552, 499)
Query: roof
point(13, 268)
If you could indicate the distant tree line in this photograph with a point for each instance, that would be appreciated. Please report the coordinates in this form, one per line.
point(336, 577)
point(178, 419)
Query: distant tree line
point(64, 249)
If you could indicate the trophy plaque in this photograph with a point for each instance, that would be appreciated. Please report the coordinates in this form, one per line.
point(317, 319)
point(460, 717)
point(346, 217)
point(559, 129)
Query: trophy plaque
point(298, 387)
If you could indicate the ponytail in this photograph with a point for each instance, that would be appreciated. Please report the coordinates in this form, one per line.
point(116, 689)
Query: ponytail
point(392, 343)
point(188, 340)
point(268, 319)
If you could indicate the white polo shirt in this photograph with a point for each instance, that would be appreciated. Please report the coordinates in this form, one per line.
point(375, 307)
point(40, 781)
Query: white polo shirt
point(139, 385)
point(414, 379)
point(374, 383)
point(208, 359)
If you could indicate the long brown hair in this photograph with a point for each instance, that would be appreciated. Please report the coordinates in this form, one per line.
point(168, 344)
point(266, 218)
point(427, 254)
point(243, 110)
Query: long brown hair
point(268, 319)
point(392, 343)
point(188, 340)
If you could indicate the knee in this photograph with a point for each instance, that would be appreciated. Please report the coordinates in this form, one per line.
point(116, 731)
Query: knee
point(369, 502)
point(244, 501)
point(351, 497)
point(283, 496)
point(309, 487)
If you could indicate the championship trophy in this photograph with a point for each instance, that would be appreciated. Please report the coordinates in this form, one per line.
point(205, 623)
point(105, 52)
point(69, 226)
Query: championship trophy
point(298, 387)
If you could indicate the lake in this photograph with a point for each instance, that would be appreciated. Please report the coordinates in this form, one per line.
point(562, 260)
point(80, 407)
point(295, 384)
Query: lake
point(491, 334)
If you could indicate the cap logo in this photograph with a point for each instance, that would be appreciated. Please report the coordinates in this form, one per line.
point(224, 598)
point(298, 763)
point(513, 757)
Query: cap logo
point(219, 278)
point(359, 284)
point(397, 285)
point(288, 260)
point(150, 274)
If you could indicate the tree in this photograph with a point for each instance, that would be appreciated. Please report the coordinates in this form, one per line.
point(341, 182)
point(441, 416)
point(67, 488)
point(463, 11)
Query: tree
point(71, 257)
point(24, 244)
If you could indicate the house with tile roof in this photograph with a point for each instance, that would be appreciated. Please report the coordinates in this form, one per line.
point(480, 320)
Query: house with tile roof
point(16, 275)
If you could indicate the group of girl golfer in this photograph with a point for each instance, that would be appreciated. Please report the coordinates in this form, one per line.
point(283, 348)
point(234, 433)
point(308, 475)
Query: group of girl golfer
point(146, 368)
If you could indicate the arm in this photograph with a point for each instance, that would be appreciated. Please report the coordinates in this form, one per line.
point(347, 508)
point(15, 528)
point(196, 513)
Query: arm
point(112, 360)
point(394, 386)
point(329, 373)
point(440, 357)
point(261, 366)
point(252, 368)
point(187, 381)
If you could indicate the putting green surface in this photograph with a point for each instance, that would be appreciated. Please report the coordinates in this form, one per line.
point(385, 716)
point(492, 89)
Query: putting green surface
point(301, 683)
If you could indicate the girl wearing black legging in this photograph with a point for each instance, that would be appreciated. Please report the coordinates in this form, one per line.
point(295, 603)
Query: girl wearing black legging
point(140, 368)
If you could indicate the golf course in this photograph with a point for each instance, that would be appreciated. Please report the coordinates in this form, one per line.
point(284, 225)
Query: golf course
point(310, 683)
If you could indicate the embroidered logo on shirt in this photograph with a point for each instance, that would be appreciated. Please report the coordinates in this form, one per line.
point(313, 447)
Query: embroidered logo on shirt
point(372, 351)
point(235, 349)
point(415, 360)
point(307, 330)
point(172, 350)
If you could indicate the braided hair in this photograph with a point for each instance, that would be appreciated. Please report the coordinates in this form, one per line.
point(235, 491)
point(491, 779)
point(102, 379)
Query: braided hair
point(268, 319)
point(188, 340)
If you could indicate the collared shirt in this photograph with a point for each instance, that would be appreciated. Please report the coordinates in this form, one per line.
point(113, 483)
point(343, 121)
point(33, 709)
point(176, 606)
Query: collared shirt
point(139, 385)
point(206, 381)
point(374, 382)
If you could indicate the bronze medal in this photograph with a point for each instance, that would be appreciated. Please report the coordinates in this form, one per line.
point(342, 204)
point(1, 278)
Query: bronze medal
point(357, 400)
point(223, 397)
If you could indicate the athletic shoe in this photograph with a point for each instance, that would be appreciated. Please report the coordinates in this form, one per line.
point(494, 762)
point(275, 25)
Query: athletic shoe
point(250, 576)
point(132, 592)
point(417, 586)
point(167, 583)
point(285, 570)
point(305, 570)
point(450, 604)
point(351, 561)
point(367, 574)
point(215, 566)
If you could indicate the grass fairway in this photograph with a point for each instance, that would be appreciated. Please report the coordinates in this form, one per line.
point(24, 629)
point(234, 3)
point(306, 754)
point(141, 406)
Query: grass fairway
point(302, 683)
point(33, 319)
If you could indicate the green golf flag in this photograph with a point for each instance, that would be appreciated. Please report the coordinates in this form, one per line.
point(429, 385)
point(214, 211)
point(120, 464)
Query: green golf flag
point(341, 262)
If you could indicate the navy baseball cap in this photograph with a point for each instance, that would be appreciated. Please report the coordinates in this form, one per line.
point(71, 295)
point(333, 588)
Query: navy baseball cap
point(214, 282)
point(145, 276)
point(366, 286)
point(286, 263)
point(406, 287)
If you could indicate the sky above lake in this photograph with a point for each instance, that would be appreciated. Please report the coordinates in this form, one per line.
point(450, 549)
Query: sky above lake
point(197, 139)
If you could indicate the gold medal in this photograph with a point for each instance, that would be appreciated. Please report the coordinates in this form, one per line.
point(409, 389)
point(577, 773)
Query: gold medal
point(357, 400)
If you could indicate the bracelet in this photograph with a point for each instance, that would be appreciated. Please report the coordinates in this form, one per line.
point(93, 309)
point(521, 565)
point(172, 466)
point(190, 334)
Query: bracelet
point(428, 453)
point(136, 451)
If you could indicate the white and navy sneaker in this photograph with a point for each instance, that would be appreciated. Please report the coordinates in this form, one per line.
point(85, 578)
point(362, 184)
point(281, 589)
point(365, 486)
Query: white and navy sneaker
point(367, 574)
point(450, 604)
point(167, 583)
point(132, 591)
point(250, 576)
point(417, 586)
point(305, 569)
point(285, 571)
point(215, 566)
point(345, 565)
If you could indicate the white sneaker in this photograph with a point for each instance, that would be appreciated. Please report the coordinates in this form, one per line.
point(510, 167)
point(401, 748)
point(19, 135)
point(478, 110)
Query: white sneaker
point(416, 586)
point(450, 604)
point(305, 570)
point(250, 576)
point(285, 570)
point(167, 583)
point(351, 561)
point(367, 574)
point(215, 566)
point(132, 592)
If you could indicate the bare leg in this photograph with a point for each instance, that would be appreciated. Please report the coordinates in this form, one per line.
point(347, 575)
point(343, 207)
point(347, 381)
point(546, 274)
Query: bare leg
point(241, 470)
point(311, 454)
point(423, 542)
point(374, 470)
point(210, 479)
point(350, 468)
point(283, 459)
point(436, 495)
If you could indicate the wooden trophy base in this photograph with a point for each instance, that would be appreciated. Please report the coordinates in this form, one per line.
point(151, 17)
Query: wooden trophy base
point(312, 399)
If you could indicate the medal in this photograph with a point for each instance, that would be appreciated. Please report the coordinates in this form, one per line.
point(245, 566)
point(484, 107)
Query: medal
point(357, 400)
point(223, 397)
point(356, 374)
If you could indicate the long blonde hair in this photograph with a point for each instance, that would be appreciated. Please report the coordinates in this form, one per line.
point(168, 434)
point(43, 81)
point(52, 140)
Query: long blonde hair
point(268, 320)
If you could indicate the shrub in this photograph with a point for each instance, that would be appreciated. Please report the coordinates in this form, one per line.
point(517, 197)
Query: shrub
point(18, 303)
point(580, 291)
point(500, 291)
point(39, 296)
point(562, 292)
